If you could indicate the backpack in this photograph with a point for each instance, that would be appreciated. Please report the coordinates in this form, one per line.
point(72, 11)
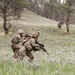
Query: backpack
point(14, 39)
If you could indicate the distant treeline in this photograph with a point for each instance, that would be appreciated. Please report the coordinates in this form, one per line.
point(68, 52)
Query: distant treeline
point(54, 9)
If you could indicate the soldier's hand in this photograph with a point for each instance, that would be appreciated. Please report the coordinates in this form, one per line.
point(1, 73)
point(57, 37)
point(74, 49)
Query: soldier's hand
point(42, 45)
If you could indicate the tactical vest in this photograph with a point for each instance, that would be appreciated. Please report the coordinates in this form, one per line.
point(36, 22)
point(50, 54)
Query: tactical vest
point(14, 39)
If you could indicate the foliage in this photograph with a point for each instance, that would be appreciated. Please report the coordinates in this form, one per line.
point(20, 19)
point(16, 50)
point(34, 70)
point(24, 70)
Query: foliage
point(10, 9)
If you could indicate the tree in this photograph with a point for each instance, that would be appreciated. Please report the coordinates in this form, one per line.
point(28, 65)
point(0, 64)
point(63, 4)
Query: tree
point(10, 8)
point(51, 10)
point(36, 6)
point(69, 10)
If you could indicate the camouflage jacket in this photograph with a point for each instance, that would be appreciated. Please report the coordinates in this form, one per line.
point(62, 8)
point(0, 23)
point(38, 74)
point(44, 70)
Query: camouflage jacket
point(16, 39)
point(30, 44)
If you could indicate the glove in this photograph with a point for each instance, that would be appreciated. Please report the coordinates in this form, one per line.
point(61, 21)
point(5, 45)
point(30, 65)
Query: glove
point(42, 45)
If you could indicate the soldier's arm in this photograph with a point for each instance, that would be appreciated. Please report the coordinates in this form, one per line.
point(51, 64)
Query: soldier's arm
point(34, 45)
point(19, 37)
point(33, 42)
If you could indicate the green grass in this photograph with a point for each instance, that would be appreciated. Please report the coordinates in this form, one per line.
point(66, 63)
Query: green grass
point(60, 45)
point(7, 68)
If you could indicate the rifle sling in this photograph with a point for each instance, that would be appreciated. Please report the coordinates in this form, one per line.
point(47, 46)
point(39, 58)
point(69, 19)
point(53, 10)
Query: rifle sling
point(26, 40)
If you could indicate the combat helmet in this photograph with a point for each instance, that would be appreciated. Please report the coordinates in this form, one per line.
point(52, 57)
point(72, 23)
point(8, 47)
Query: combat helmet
point(34, 35)
point(20, 31)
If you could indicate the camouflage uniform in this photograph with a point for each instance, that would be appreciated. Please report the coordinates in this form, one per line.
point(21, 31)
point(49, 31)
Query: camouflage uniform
point(28, 46)
point(60, 24)
point(16, 39)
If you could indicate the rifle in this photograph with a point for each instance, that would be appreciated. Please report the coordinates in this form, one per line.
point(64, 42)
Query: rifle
point(42, 47)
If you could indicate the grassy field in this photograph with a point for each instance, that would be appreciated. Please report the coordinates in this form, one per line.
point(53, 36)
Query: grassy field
point(59, 44)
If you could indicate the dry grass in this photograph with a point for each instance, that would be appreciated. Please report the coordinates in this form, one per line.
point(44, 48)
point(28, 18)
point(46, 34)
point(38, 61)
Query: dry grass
point(60, 45)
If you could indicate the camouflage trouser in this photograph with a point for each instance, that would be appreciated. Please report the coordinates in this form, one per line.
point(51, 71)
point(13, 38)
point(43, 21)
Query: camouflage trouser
point(15, 49)
point(30, 55)
point(24, 51)
point(59, 26)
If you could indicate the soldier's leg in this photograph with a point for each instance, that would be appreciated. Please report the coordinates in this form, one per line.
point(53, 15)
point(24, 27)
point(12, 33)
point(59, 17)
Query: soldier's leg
point(30, 55)
point(22, 53)
point(16, 54)
point(15, 49)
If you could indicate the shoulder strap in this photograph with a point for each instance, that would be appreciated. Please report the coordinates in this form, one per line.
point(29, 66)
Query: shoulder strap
point(26, 40)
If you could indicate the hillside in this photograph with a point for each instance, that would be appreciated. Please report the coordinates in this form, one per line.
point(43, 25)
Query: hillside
point(59, 45)
point(30, 18)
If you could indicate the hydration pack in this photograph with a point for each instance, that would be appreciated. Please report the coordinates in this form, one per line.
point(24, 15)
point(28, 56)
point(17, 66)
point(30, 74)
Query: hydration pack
point(14, 39)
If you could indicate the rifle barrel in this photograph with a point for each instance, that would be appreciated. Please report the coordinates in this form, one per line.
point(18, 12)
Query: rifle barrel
point(45, 51)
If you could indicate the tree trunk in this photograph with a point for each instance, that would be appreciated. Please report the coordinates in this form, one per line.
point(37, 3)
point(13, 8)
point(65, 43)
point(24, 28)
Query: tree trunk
point(62, 17)
point(5, 26)
point(67, 26)
point(68, 22)
point(5, 19)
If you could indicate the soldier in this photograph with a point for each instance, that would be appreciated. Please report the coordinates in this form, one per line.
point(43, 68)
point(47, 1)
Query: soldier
point(16, 39)
point(60, 24)
point(29, 45)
